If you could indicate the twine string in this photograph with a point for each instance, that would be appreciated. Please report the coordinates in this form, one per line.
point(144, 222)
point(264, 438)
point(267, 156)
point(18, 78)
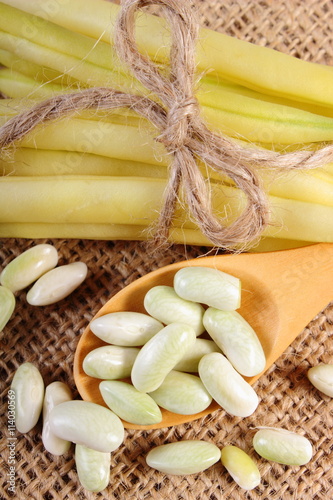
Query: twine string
point(185, 136)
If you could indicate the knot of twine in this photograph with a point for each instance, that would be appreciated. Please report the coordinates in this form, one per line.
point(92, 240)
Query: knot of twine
point(183, 133)
point(178, 119)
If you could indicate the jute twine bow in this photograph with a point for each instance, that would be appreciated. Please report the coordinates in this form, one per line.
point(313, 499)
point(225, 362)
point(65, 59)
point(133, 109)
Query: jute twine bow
point(182, 131)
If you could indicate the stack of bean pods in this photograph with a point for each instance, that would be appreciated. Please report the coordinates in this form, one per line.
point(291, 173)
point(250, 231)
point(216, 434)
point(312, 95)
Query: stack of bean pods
point(104, 189)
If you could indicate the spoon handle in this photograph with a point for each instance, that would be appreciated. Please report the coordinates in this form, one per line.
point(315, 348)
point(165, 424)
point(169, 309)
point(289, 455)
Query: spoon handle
point(298, 285)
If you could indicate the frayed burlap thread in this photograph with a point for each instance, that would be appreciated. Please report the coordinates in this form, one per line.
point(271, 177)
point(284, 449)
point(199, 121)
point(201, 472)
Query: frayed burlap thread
point(176, 115)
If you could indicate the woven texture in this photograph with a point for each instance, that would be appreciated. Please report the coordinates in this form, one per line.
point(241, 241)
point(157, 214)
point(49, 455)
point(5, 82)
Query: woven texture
point(48, 336)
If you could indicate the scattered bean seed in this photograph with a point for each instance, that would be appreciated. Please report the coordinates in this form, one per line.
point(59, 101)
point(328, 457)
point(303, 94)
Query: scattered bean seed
point(160, 354)
point(164, 304)
point(190, 360)
point(182, 393)
point(7, 306)
point(227, 386)
point(183, 457)
point(55, 393)
point(57, 284)
point(29, 266)
point(241, 467)
point(125, 328)
point(282, 446)
point(90, 424)
point(237, 340)
point(321, 377)
point(28, 386)
point(129, 403)
point(110, 362)
point(208, 286)
point(93, 468)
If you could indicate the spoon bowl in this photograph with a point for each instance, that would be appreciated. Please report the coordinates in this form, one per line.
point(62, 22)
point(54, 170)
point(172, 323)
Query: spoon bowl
point(281, 293)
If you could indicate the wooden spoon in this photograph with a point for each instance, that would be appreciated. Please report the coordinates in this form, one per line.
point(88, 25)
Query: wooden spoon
point(281, 293)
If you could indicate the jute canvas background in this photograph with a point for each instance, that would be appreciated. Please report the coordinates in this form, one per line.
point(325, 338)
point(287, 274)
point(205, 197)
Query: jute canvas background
point(48, 336)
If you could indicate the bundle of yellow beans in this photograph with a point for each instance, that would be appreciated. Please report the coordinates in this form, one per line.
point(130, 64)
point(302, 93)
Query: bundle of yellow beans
point(102, 175)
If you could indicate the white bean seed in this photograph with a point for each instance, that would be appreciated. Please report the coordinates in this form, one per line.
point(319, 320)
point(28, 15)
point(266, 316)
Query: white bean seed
point(125, 328)
point(55, 393)
point(227, 386)
point(182, 393)
point(164, 304)
point(190, 360)
point(241, 467)
point(29, 266)
point(208, 286)
point(7, 306)
point(183, 457)
point(90, 424)
point(129, 403)
point(110, 362)
point(160, 354)
point(321, 377)
point(28, 386)
point(282, 446)
point(57, 284)
point(93, 468)
point(237, 340)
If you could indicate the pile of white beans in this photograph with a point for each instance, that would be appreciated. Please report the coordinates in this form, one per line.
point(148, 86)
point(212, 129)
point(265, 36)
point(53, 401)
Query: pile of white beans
point(95, 430)
point(156, 350)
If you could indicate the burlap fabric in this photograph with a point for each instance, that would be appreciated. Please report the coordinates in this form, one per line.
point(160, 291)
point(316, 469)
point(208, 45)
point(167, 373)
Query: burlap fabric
point(48, 336)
